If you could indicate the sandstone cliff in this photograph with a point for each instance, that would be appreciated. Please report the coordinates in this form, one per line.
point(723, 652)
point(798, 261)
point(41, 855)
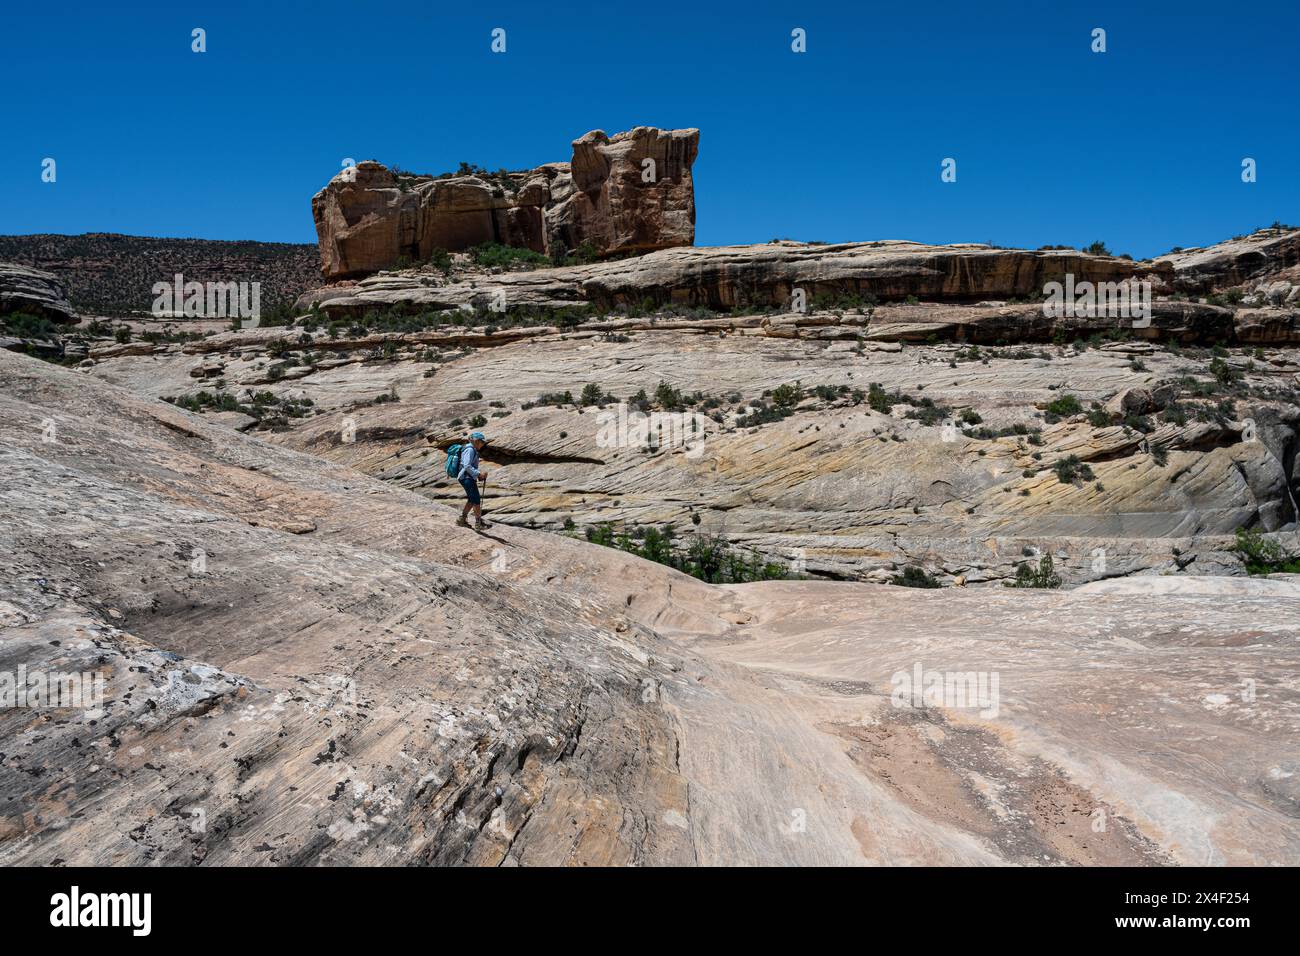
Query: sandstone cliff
point(1271, 252)
point(631, 192)
point(751, 276)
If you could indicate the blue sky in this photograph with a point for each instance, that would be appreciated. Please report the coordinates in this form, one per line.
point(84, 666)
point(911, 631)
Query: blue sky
point(1140, 147)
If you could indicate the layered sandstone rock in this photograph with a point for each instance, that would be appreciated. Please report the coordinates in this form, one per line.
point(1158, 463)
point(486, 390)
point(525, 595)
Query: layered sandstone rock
point(628, 193)
point(1234, 261)
point(303, 665)
point(632, 192)
point(856, 491)
point(759, 276)
point(24, 289)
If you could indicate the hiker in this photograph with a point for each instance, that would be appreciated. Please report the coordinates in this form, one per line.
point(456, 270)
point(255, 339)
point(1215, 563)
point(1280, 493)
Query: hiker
point(469, 474)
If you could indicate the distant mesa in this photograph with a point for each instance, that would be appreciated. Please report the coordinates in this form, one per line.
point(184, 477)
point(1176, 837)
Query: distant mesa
point(109, 274)
point(631, 192)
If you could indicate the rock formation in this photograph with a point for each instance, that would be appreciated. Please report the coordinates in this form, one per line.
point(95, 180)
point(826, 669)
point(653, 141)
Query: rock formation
point(1187, 439)
point(631, 192)
point(754, 276)
point(1235, 261)
point(24, 289)
point(867, 491)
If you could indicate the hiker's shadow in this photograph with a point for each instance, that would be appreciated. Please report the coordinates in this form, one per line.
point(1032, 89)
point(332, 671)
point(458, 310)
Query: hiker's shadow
point(492, 537)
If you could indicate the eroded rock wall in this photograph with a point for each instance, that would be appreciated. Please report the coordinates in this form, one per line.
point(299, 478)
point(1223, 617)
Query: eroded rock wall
point(631, 192)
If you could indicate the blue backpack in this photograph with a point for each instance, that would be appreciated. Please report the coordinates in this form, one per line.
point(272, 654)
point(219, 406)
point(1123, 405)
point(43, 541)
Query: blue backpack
point(453, 460)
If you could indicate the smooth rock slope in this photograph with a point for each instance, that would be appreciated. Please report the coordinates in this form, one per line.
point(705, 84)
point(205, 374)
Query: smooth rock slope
point(306, 665)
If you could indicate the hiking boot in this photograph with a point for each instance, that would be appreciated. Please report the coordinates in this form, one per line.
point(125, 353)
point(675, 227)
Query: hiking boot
point(480, 524)
point(461, 522)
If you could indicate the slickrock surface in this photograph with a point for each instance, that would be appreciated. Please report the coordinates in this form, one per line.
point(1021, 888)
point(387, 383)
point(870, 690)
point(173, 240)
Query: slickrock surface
point(24, 289)
point(631, 192)
point(836, 488)
point(307, 665)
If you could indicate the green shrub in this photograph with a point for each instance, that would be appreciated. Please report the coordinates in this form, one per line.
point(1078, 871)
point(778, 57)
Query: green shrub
point(1064, 406)
point(555, 398)
point(787, 396)
point(708, 557)
point(669, 398)
point(491, 254)
point(1224, 373)
point(24, 325)
point(1044, 576)
point(915, 577)
point(1068, 469)
point(1263, 555)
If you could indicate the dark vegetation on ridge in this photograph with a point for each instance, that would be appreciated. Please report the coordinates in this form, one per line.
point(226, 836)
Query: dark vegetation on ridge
point(112, 274)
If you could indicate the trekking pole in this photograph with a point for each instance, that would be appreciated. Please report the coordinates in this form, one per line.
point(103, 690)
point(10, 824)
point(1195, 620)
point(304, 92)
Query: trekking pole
point(482, 496)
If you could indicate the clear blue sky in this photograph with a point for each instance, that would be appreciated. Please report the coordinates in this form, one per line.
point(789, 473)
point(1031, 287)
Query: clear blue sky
point(1140, 147)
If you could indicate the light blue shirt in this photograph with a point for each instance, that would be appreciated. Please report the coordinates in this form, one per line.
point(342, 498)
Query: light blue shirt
point(468, 462)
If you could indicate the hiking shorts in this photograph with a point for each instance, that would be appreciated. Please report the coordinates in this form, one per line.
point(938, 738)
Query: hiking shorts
point(471, 489)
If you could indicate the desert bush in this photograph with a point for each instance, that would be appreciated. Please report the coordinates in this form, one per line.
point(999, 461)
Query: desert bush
point(554, 398)
point(491, 254)
point(24, 325)
point(1063, 406)
point(1068, 469)
point(710, 558)
point(915, 577)
point(1262, 555)
point(1027, 576)
point(787, 396)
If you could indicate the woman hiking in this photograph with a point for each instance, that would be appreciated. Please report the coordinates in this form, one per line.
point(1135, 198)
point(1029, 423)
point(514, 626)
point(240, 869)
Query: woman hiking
point(469, 476)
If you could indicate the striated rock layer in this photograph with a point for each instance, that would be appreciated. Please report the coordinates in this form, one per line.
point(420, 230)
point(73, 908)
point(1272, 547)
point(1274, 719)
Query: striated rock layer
point(726, 277)
point(631, 192)
point(24, 289)
point(1234, 262)
point(846, 489)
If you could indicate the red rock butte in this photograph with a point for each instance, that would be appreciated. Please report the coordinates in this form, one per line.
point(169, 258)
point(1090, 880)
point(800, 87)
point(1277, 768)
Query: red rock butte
point(631, 192)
